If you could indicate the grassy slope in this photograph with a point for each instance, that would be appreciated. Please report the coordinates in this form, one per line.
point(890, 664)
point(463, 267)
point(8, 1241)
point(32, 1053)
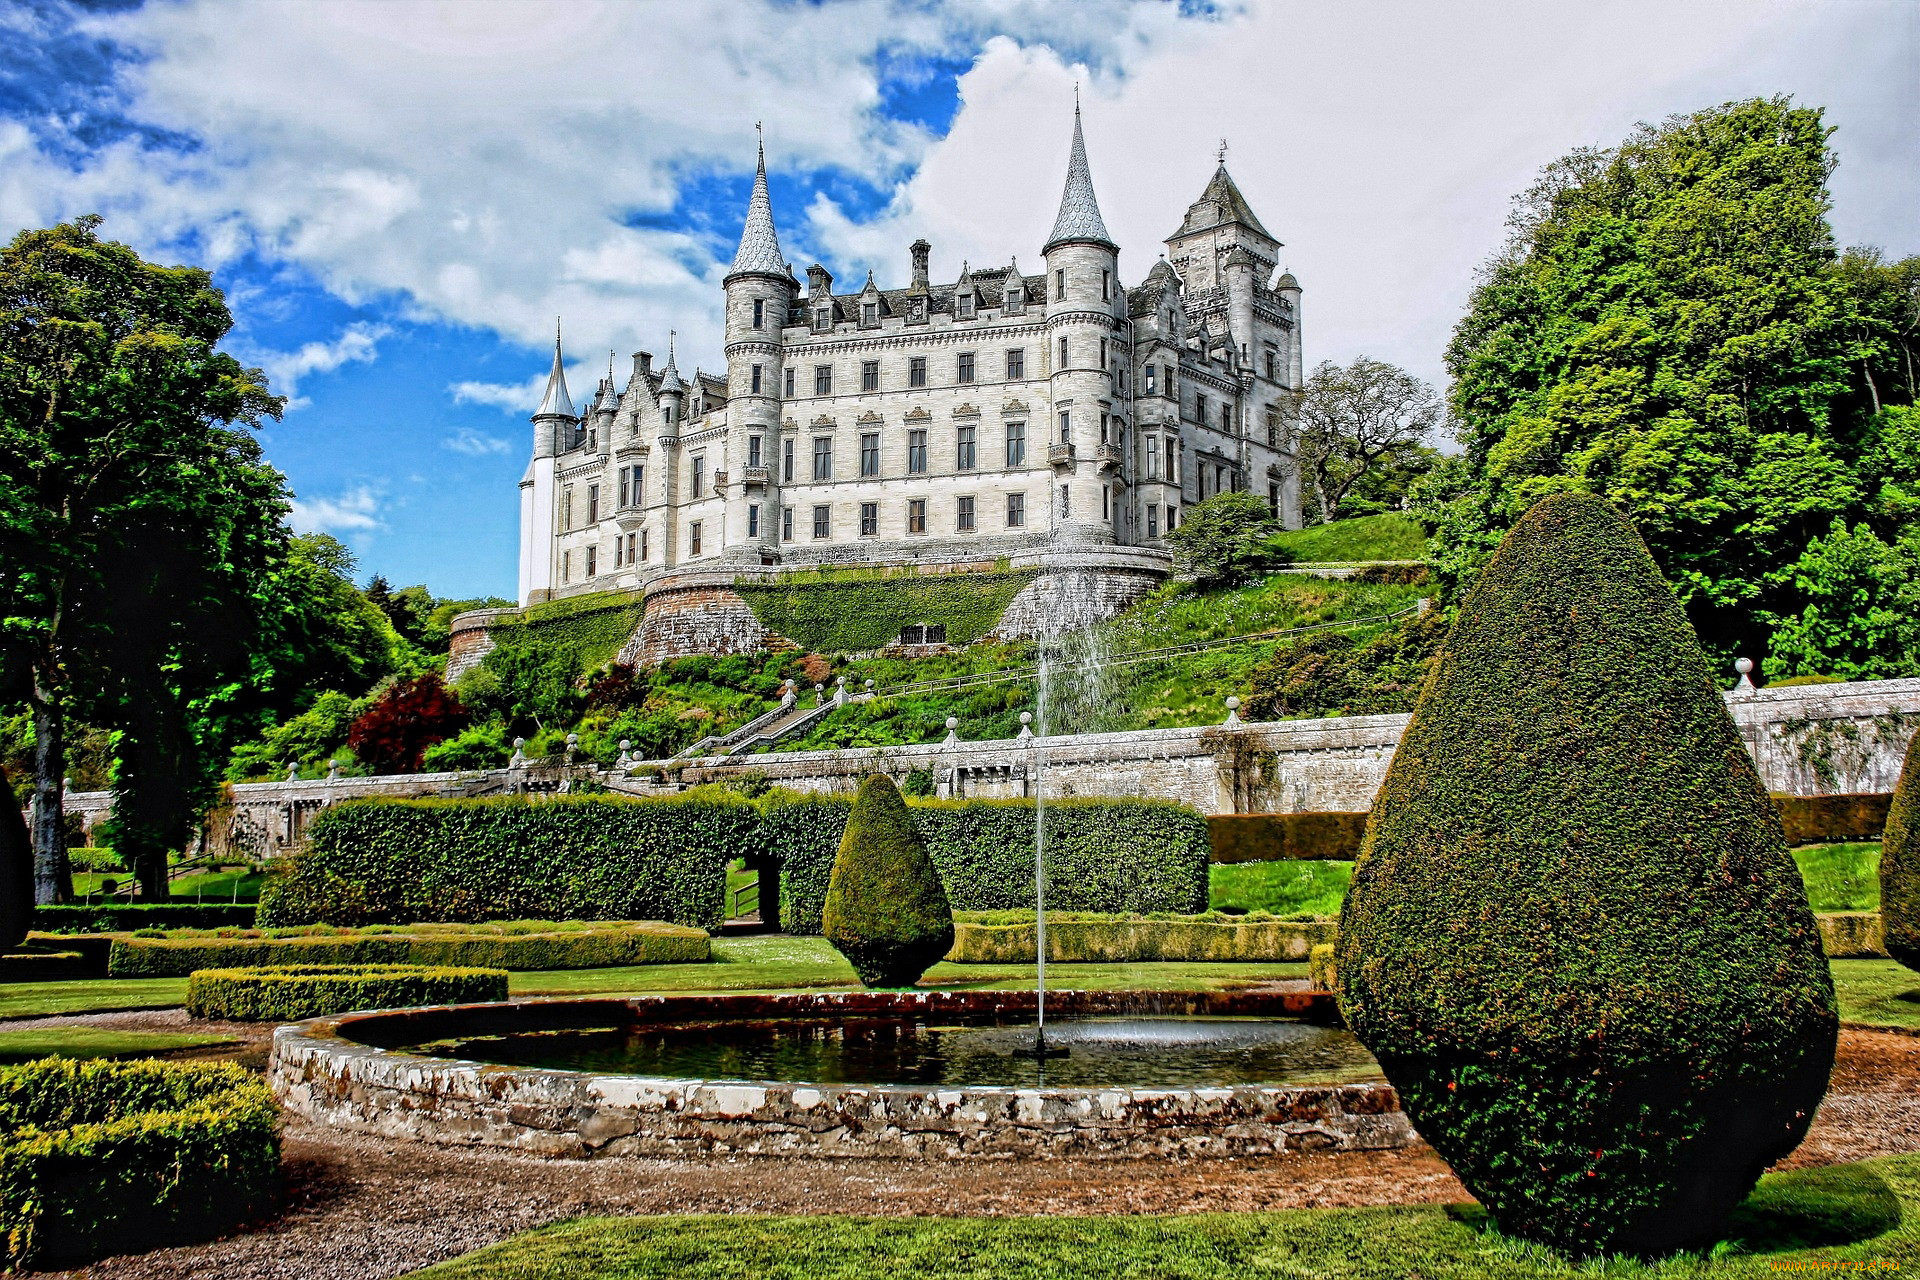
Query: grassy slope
point(96, 1042)
point(1865, 1213)
point(1383, 537)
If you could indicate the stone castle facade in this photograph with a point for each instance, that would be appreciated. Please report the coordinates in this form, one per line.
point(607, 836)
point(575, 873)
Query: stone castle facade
point(1005, 415)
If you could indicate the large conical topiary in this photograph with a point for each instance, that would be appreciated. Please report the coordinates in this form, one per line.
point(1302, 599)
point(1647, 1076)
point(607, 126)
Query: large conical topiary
point(16, 876)
point(1900, 864)
point(1575, 940)
point(886, 911)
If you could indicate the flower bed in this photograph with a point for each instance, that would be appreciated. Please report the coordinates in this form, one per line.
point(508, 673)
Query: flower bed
point(290, 993)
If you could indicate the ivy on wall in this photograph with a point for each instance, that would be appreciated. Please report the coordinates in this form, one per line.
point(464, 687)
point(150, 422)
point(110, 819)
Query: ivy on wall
point(848, 610)
point(593, 627)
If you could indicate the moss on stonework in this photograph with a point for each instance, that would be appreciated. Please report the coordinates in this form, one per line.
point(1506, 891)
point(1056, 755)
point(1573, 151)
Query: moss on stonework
point(845, 611)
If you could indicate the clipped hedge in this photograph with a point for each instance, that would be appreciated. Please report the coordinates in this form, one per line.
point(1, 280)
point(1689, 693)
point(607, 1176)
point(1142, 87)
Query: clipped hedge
point(290, 993)
point(1852, 935)
point(523, 945)
point(101, 1157)
point(1321, 974)
point(1900, 863)
point(570, 857)
point(1832, 819)
point(1276, 837)
point(1091, 938)
point(124, 917)
point(1128, 856)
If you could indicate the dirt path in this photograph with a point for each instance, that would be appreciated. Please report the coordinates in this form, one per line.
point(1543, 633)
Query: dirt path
point(361, 1208)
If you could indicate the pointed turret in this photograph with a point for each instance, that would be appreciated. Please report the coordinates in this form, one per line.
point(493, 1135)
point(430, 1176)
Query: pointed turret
point(1079, 217)
point(670, 384)
point(759, 252)
point(1221, 202)
point(556, 403)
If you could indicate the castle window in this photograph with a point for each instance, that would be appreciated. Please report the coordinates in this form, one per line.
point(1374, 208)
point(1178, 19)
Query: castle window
point(566, 508)
point(1153, 457)
point(1150, 390)
point(1016, 444)
point(917, 371)
point(566, 566)
point(1059, 286)
point(1153, 519)
point(1103, 353)
point(789, 384)
point(1106, 286)
point(869, 314)
point(593, 504)
point(693, 538)
point(820, 522)
point(1106, 504)
point(759, 316)
point(1016, 510)
point(699, 475)
point(916, 515)
point(632, 542)
point(1273, 498)
point(823, 319)
point(869, 519)
point(965, 303)
point(1066, 502)
point(1200, 409)
point(756, 379)
point(1066, 426)
point(963, 448)
point(1273, 363)
point(869, 453)
point(786, 461)
point(1012, 301)
point(963, 367)
point(916, 452)
point(917, 309)
point(753, 451)
point(869, 375)
point(823, 379)
point(753, 519)
point(786, 524)
point(823, 457)
point(593, 438)
point(1173, 472)
point(1273, 430)
point(1169, 379)
point(964, 514)
point(643, 543)
point(593, 561)
point(626, 492)
point(1063, 353)
point(1173, 517)
point(1016, 364)
point(1226, 416)
point(619, 547)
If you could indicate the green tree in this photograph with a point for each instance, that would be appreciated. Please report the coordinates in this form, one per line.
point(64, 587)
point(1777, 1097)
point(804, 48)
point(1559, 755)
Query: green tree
point(1575, 940)
point(1222, 540)
point(886, 910)
point(1900, 864)
point(1670, 326)
point(1360, 423)
point(122, 442)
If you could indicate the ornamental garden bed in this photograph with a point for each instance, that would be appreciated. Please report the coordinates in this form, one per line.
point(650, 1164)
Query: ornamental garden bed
point(293, 992)
point(106, 1157)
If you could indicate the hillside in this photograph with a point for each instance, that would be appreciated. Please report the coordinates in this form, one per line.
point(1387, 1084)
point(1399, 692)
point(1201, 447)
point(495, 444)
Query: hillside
point(1389, 536)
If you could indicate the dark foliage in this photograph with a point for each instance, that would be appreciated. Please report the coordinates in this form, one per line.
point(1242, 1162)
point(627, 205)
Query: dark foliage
point(1278, 837)
point(1575, 940)
point(885, 910)
point(1332, 674)
point(16, 876)
point(1900, 864)
point(407, 719)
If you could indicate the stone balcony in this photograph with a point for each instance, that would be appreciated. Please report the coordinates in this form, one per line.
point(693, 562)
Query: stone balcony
point(752, 477)
point(1060, 455)
point(1109, 457)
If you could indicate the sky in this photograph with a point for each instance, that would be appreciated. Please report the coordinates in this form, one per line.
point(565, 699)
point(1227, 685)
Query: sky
point(400, 197)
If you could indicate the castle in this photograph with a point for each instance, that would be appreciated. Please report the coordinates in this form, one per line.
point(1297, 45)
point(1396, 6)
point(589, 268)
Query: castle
point(1004, 416)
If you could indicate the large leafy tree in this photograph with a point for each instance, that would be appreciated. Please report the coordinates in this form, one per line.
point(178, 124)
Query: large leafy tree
point(139, 527)
point(1364, 421)
point(1672, 327)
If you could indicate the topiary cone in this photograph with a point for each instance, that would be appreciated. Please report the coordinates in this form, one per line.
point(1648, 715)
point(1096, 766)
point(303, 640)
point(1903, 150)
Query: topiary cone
point(1575, 940)
point(886, 911)
point(16, 876)
point(1900, 864)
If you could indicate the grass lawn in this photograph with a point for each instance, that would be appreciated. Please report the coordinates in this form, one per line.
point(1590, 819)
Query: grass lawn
point(96, 1042)
point(1284, 888)
point(1383, 537)
point(1870, 991)
point(202, 886)
point(1841, 877)
point(89, 995)
point(1866, 1213)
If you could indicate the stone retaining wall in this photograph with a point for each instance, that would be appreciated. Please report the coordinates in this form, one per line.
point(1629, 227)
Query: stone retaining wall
point(324, 1070)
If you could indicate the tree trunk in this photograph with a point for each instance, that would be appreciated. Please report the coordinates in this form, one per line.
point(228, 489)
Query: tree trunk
point(52, 877)
point(151, 875)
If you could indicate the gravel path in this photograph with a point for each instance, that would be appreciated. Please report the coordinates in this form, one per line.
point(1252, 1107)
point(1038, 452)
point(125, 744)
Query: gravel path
point(361, 1208)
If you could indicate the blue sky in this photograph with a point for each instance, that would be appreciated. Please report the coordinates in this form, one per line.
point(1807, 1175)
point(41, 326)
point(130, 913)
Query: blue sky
point(400, 195)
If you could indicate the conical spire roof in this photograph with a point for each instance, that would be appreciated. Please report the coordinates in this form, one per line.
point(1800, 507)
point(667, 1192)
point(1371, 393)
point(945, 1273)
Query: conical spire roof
point(1079, 217)
point(670, 383)
point(556, 402)
point(1221, 202)
point(759, 251)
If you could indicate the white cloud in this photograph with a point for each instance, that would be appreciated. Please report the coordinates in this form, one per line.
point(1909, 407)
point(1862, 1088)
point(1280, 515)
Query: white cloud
point(353, 511)
point(358, 343)
point(472, 443)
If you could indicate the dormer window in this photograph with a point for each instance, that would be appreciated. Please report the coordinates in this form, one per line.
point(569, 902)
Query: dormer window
point(869, 314)
point(966, 306)
point(823, 319)
point(917, 310)
point(1014, 301)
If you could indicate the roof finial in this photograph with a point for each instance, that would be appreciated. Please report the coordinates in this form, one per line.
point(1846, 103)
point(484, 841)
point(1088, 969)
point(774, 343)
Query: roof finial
point(1220, 156)
point(759, 250)
point(556, 400)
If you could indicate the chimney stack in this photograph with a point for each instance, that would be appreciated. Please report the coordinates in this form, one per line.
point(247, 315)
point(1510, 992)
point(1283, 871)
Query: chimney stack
point(920, 251)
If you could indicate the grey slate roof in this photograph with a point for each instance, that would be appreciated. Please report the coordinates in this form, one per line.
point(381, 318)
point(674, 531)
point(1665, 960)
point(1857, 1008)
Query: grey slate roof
point(759, 250)
point(556, 401)
point(1079, 216)
point(1221, 202)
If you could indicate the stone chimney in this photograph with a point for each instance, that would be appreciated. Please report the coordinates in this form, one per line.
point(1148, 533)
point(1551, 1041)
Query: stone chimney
point(819, 281)
point(642, 363)
point(920, 251)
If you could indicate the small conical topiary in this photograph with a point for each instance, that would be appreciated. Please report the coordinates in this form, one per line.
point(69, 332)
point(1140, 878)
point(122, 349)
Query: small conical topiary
point(886, 911)
point(1575, 939)
point(1900, 864)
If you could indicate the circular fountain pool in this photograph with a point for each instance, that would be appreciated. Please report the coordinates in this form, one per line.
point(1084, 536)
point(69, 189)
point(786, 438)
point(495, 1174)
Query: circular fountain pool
point(856, 1073)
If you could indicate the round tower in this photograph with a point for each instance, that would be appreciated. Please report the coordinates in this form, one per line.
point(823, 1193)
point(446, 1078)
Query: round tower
point(760, 289)
point(553, 426)
point(1085, 309)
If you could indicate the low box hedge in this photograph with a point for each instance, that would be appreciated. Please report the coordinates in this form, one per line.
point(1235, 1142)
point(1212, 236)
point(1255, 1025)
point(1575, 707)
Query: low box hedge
point(1094, 938)
point(105, 917)
point(101, 1157)
point(1852, 935)
point(566, 857)
point(1275, 837)
point(1128, 856)
point(37, 965)
point(1838, 819)
point(292, 992)
point(517, 945)
point(1320, 971)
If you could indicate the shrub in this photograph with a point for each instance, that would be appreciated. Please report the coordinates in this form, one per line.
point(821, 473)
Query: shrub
point(1222, 540)
point(1135, 856)
point(523, 945)
point(94, 858)
point(1575, 941)
point(1852, 935)
point(1275, 837)
point(885, 910)
point(75, 917)
point(1320, 967)
point(1832, 819)
point(1134, 939)
point(1900, 863)
point(290, 993)
point(583, 858)
point(104, 1157)
point(403, 722)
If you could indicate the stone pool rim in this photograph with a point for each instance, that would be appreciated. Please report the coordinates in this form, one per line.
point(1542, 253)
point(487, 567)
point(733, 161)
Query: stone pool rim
point(349, 1071)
